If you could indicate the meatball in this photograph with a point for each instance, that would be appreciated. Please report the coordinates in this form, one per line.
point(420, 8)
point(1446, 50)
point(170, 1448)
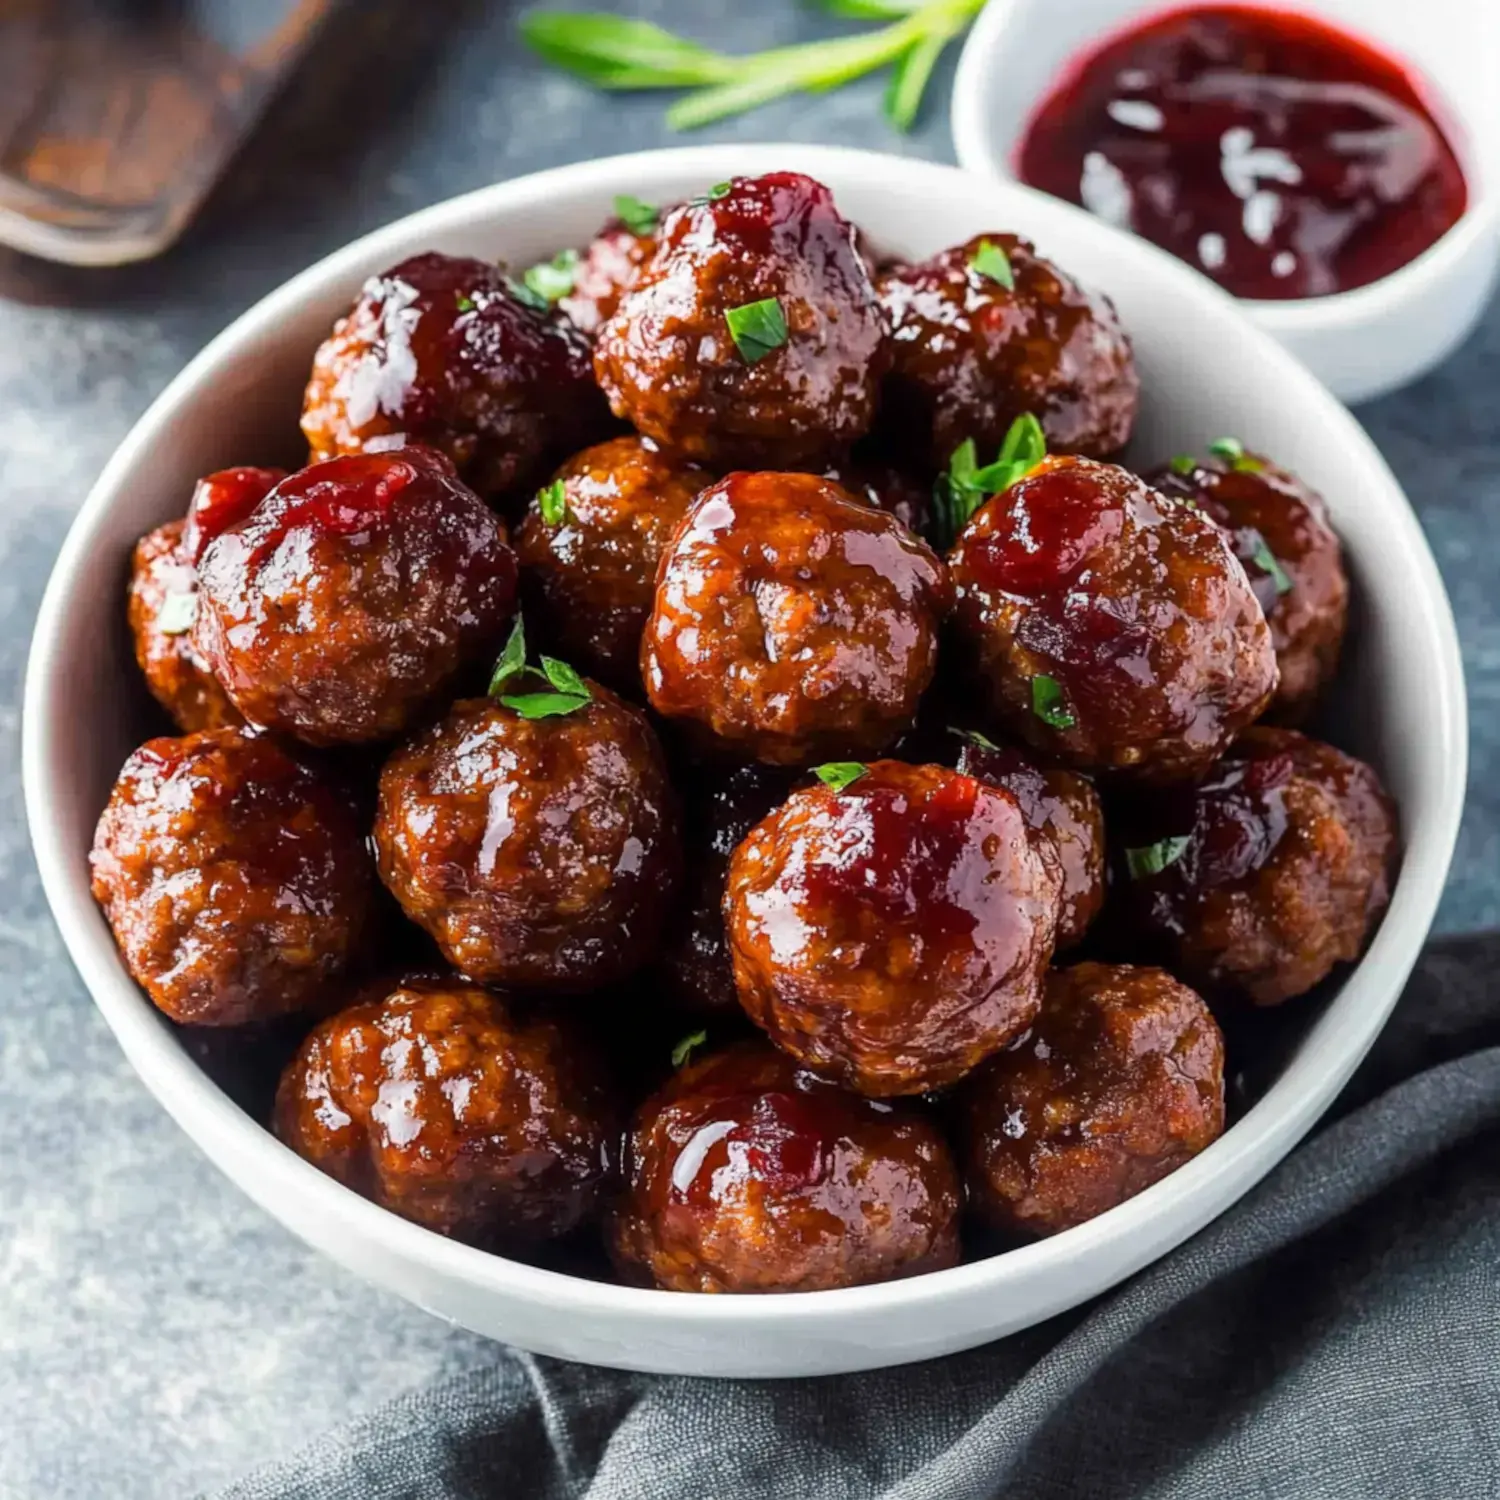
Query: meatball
point(160, 604)
point(988, 330)
point(537, 852)
point(1119, 1083)
point(1280, 533)
point(752, 338)
point(441, 1103)
point(716, 816)
point(353, 596)
point(604, 273)
point(792, 622)
point(235, 877)
point(1065, 808)
point(1275, 868)
point(746, 1173)
point(449, 352)
point(894, 933)
point(590, 570)
point(1109, 625)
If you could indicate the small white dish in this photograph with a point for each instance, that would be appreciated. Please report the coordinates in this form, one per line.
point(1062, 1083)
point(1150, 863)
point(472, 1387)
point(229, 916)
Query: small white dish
point(1360, 343)
point(1206, 371)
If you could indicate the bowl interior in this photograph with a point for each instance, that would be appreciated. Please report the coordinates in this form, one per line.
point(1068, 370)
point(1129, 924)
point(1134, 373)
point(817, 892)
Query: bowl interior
point(1206, 372)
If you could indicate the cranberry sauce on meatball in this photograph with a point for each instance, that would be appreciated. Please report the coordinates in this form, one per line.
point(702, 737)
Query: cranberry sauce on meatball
point(606, 270)
point(538, 851)
point(235, 877)
point(1280, 532)
point(439, 1102)
point(1063, 806)
point(1272, 870)
point(222, 500)
point(1110, 625)
point(1120, 1082)
point(752, 337)
point(718, 811)
point(793, 623)
point(161, 602)
point(894, 933)
point(589, 547)
point(988, 330)
point(446, 351)
point(351, 598)
point(747, 1173)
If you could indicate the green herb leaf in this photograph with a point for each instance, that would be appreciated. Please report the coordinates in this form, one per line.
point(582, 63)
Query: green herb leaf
point(463, 302)
point(840, 774)
point(687, 1046)
point(1182, 463)
point(177, 613)
point(1050, 704)
point(1267, 562)
point(544, 705)
point(563, 677)
point(717, 191)
point(966, 486)
point(991, 260)
point(1155, 858)
point(1246, 463)
point(615, 52)
point(1227, 447)
point(757, 328)
point(974, 737)
point(512, 661)
point(638, 216)
point(527, 296)
point(553, 279)
point(552, 502)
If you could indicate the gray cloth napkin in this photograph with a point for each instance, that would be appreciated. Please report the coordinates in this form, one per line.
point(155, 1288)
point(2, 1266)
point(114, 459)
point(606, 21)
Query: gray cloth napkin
point(1335, 1335)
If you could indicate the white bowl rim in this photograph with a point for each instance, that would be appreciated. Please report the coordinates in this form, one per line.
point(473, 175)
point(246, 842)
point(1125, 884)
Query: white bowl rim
point(1333, 1046)
point(978, 152)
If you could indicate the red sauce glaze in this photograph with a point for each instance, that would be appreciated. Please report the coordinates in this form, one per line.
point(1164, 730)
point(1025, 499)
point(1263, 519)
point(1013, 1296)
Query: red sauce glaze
point(1279, 155)
point(223, 500)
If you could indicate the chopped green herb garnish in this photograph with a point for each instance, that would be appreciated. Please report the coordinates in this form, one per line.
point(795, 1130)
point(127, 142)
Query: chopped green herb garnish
point(991, 260)
point(177, 613)
point(1247, 463)
point(1050, 704)
point(757, 328)
point(544, 705)
point(718, 190)
point(974, 737)
point(1227, 447)
point(563, 677)
point(1155, 858)
point(552, 502)
point(840, 774)
point(527, 296)
point(552, 279)
point(464, 302)
point(687, 1046)
point(966, 486)
point(570, 693)
point(1182, 463)
point(617, 52)
point(638, 216)
point(512, 663)
point(1267, 562)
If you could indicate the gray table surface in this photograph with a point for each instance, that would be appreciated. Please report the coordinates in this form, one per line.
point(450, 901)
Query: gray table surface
point(158, 1334)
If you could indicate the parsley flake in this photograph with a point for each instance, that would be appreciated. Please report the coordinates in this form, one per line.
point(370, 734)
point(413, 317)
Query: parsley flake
point(1227, 447)
point(527, 296)
point(1267, 562)
point(1155, 858)
point(463, 302)
point(1050, 704)
point(553, 279)
point(757, 328)
point(638, 216)
point(569, 691)
point(512, 663)
point(177, 613)
point(991, 260)
point(839, 775)
point(687, 1046)
point(1182, 463)
point(966, 486)
point(552, 502)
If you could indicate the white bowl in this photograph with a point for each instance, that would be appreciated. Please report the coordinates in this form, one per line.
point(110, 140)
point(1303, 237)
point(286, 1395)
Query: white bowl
point(1360, 343)
point(1206, 372)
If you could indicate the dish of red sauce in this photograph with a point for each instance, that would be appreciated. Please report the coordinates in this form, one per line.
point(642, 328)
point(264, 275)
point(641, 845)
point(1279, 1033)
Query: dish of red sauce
point(1282, 157)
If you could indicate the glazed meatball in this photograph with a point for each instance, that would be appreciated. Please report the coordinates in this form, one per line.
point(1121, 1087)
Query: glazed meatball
point(234, 876)
point(1280, 533)
point(353, 596)
point(1109, 625)
point(894, 933)
point(1063, 806)
point(441, 1103)
point(718, 812)
point(537, 852)
point(160, 604)
point(752, 338)
point(972, 353)
point(606, 270)
point(590, 569)
point(1120, 1082)
point(747, 1173)
point(1271, 871)
point(791, 622)
point(446, 351)
point(221, 500)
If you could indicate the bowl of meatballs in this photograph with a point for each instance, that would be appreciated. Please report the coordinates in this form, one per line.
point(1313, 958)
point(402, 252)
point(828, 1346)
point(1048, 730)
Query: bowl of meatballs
point(745, 761)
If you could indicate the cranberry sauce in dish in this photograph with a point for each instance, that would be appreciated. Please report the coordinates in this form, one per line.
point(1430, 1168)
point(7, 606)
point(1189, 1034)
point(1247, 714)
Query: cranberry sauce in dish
point(1277, 154)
